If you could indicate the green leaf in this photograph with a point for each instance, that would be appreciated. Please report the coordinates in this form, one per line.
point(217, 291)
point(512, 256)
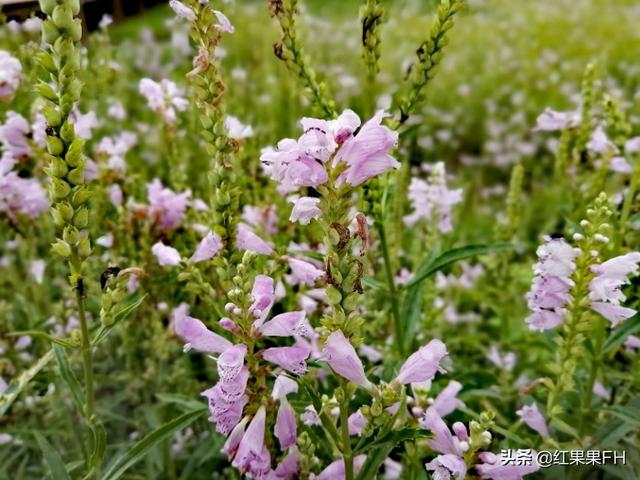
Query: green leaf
point(634, 218)
point(69, 377)
point(433, 265)
point(620, 334)
point(45, 336)
point(373, 284)
point(117, 318)
point(310, 254)
point(381, 448)
point(181, 401)
point(17, 384)
point(52, 457)
point(629, 414)
point(134, 454)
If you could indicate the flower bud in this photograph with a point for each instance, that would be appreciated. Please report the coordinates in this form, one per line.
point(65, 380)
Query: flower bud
point(59, 188)
point(76, 176)
point(84, 247)
point(61, 248)
point(54, 145)
point(81, 218)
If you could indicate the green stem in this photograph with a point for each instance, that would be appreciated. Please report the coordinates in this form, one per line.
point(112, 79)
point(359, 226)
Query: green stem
point(628, 202)
point(87, 358)
point(395, 309)
point(344, 426)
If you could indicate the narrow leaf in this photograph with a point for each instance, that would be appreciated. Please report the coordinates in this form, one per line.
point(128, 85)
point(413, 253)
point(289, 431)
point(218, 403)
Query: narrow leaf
point(134, 454)
point(630, 326)
point(69, 377)
point(117, 318)
point(17, 384)
point(451, 256)
point(52, 457)
point(45, 336)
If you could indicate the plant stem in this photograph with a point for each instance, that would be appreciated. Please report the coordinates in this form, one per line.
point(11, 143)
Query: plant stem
point(628, 202)
point(87, 358)
point(344, 426)
point(395, 309)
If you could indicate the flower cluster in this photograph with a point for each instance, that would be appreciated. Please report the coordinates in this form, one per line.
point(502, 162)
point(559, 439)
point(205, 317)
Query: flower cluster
point(338, 149)
point(164, 98)
point(605, 289)
point(10, 76)
point(432, 201)
point(550, 291)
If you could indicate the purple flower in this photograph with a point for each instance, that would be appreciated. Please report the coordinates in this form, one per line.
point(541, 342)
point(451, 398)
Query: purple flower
point(223, 25)
point(283, 386)
point(285, 428)
point(263, 295)
point(550, 120)
point(233, 440)
point(304, 272)
point(305, 209)
point(289, 467)
point(231, 361)
point(196, 334)
point(367, 153)
point(620, 165)
point(14, 135)
point(248, 240)
point(433, 201)
point(166, 208)
point(343, 359)
point(209, 246)
point(182, 10)
point(10, 76)
point(286, 325)
point(164, 98)
point(447, 401)
point(605, 290)
point(21, 196)
point(261, 218)
point(252, 457)
point(291, 359)
point(357, 422)
point(444, 441)
point(83, 123)
point(447, 466)
point(166, 256)
point(115, 195)
point(422, 365)
point(224, 414)
point(336, 470)
point(599, 142)
point(534, 419)
point(552, 283)
point(494, 470)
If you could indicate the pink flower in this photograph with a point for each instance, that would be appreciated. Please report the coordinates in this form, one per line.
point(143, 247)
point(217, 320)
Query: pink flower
point(447, 466)
point(166, 207)
point(14, 135)
point(287, 325)
point(196, 334)
point(289, 467)
point(261, 218)
point(422, 365)
point(366, 153)
point(447, 401)
point(291, 359)
point(209, 246)
point(21, 196)
point(304, 272)
point(224, 414)
point(605, 290)
point(182, 10)
point(83, 123)
point(166, 256)
point(285, 428)
point(10, 76)
point(343, 359)
point(223, 25)
point(263, 295)
point(231, 361)
point(433, 200)
point(252, 457)
point(248, 240)
point(233, 440)
point(534, 419)
point(336, 470)
point(357, 422)
point(620, 165)
point(305, 209)
point(550, 120)
point(115, 195)
point(444, 441)
point(164, 98)
point(494, 470)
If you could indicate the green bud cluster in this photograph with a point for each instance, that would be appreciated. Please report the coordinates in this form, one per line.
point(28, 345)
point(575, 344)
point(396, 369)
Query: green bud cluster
point(209, 89)
point(508, 229)
point(69, 195)
point(290, 50)
point(589, 95)
point(372, 15)
point(619, 127)
point(429, 56)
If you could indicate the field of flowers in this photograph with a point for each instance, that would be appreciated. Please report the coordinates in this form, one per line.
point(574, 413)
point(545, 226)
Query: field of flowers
point(330, 239)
